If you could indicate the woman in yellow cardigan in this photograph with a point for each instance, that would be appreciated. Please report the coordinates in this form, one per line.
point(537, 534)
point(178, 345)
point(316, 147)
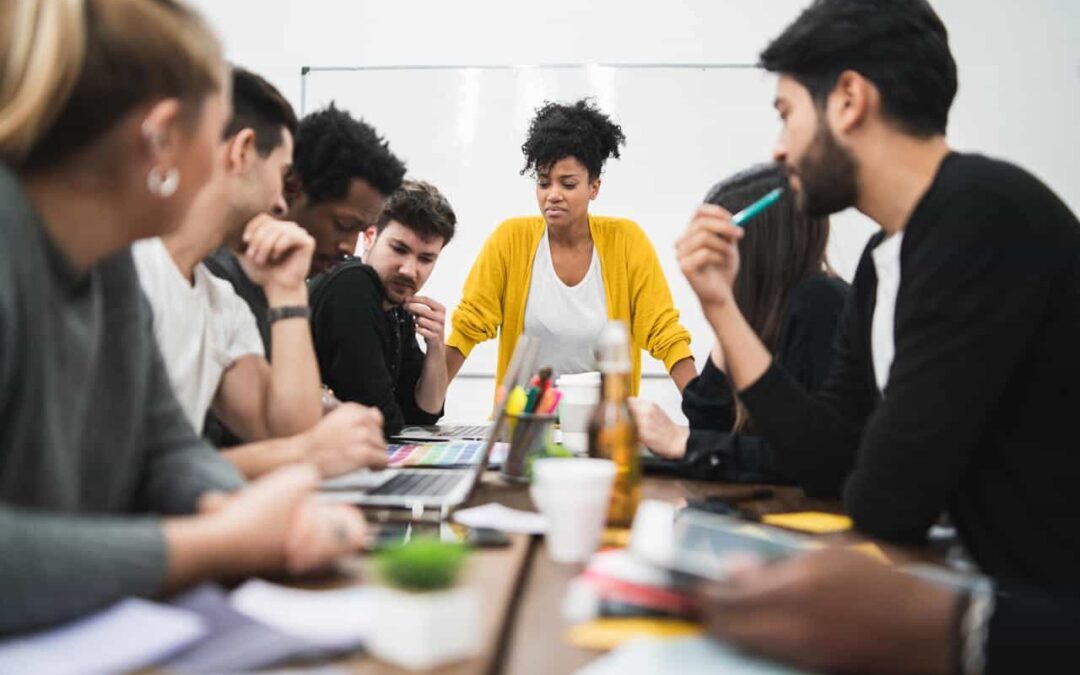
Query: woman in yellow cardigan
point(562, 275)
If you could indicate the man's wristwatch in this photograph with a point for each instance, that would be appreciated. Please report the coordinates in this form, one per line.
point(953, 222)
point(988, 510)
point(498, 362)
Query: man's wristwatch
point(288, 312)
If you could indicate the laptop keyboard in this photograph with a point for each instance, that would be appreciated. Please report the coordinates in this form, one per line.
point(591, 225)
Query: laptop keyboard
point(479, 431)
point(420, 484)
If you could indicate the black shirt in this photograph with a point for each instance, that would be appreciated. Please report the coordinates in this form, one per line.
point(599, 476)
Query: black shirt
point(1032, 631)
point(367, 354)
point(805, 351)
point(977, 418)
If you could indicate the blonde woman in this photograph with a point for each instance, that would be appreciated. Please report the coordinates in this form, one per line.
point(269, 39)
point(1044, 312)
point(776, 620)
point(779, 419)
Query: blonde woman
point(110, 111)
point(561, 275)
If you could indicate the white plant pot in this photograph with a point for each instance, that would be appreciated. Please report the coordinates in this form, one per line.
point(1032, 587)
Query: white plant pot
point(425, 630)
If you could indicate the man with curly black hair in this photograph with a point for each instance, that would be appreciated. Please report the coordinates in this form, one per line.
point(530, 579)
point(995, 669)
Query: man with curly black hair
point(561, 275)
point(366, 315)
point(342, 172)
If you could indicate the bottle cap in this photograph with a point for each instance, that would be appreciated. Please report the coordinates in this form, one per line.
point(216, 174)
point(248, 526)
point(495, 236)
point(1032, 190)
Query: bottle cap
point(613, 348)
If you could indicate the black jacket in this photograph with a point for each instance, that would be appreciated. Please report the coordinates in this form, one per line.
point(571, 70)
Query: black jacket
point(805, 351)
point(977, 417)
point(367, 354)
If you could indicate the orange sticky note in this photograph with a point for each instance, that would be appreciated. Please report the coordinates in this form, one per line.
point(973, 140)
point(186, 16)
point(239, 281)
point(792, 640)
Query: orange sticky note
point(618, 537)
point(814, 522)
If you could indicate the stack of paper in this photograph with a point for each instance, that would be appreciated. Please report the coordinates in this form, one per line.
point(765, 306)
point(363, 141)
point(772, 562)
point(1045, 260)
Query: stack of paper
point(103, 642)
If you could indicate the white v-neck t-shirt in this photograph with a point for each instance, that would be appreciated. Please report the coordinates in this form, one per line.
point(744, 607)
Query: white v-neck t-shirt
point(566, 319)
point(883, 328)
point(201, 328)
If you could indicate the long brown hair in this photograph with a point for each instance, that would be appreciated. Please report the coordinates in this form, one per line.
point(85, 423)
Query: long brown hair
point(781, 248)
point(72, 69)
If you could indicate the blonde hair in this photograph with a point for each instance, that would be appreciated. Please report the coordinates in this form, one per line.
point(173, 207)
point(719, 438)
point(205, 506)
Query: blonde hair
point(72, 69)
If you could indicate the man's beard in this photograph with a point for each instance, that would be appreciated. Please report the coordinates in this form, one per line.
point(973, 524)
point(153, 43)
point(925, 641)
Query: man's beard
point(403, 289)
point(827, 175)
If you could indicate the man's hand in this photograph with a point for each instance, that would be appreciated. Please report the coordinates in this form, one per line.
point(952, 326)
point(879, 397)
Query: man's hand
point(708, 254)
point(348, 438)
point(835, 610)
point(277, 258)
point(430, 323)
point(274, 524)
point(656, 430)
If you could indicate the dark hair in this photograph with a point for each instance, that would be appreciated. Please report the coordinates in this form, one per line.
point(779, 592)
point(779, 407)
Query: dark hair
point(420, 207)
point(333, 149)
point(899, 45)
point(259, 106)
point(579, 130)
point(781, 248)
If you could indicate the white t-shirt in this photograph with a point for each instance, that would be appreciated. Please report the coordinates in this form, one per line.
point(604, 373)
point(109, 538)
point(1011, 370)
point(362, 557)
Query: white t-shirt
point(201, 329)
point(883, 328)
point(566, 319)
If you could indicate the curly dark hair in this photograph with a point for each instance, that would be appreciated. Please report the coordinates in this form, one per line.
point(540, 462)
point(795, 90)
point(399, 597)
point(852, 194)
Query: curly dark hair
point(420, 207)
point(332, 149)
point(580, 130)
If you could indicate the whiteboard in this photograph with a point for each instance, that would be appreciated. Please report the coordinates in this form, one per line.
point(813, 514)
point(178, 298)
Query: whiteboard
point(462, 129)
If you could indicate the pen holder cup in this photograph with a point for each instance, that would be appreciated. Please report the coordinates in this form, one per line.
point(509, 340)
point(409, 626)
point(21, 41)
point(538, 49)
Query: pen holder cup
point(528, 434)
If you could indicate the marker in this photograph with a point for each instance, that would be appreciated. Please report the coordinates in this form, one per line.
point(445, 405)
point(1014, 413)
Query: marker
point(554, 405)
point(544, 404)
point(515, 402)
point(757, 207)
point(532, 397)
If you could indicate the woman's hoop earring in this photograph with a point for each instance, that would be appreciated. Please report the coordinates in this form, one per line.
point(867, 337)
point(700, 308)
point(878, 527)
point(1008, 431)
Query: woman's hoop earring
point(163, 186)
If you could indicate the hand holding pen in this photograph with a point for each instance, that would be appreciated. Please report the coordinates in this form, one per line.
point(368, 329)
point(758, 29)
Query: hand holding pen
point(708, 251)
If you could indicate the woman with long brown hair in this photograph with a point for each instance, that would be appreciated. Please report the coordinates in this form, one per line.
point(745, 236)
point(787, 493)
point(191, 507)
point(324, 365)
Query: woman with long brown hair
point(791, 299)
point(110, 111)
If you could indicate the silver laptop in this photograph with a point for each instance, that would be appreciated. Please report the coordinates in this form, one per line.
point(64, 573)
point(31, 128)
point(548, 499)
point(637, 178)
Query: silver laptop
point(442, 432)
point(421, 490)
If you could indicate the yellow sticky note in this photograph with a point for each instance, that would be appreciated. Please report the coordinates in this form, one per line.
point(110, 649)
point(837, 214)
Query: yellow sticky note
point(814, 522)
point(873, 550)
point(607, 634)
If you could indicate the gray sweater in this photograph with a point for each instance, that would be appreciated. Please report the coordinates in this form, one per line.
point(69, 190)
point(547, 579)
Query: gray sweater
point(94, 448)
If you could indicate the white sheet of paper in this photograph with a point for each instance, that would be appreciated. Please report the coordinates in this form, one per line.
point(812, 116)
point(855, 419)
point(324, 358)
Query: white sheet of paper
point(682, 656)
point(130, 635)
point(499, 517)
point(336, 619)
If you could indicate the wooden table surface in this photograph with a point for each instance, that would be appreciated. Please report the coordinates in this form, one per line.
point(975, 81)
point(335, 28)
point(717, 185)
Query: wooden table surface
point(523, 590)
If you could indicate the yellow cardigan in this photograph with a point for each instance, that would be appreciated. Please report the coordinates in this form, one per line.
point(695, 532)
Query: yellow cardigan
point(493, 301)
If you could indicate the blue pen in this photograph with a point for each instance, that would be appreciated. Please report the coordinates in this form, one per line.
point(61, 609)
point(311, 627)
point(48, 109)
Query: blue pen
point(757, 207)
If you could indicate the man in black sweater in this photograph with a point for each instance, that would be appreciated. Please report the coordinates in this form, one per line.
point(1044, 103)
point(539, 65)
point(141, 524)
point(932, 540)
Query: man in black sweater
point(366, 315)
point(955, 379)
point(342, 173)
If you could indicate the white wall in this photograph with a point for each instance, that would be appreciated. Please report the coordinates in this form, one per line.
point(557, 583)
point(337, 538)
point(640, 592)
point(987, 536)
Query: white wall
point(1019, 65)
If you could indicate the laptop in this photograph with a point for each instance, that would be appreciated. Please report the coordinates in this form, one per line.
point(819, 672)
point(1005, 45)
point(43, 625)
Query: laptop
point(422, 489)
point(442, 432)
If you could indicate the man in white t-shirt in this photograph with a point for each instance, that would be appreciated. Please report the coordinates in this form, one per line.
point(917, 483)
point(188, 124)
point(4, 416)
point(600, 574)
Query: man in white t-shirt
point(208, 336)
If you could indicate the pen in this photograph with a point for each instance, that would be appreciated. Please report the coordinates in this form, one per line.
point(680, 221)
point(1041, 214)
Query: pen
point(757, 207)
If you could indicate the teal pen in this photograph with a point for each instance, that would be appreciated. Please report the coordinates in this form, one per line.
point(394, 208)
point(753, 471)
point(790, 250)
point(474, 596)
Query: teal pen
point(757, 207)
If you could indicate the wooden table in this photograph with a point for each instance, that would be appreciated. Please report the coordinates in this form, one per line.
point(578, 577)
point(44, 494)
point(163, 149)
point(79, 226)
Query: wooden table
point(523, 590)
point(537, 644)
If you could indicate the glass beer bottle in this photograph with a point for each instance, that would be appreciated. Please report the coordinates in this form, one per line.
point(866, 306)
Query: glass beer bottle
point(612, 431)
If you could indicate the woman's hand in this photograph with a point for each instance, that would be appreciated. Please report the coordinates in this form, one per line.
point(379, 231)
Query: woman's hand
point(656, 430)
